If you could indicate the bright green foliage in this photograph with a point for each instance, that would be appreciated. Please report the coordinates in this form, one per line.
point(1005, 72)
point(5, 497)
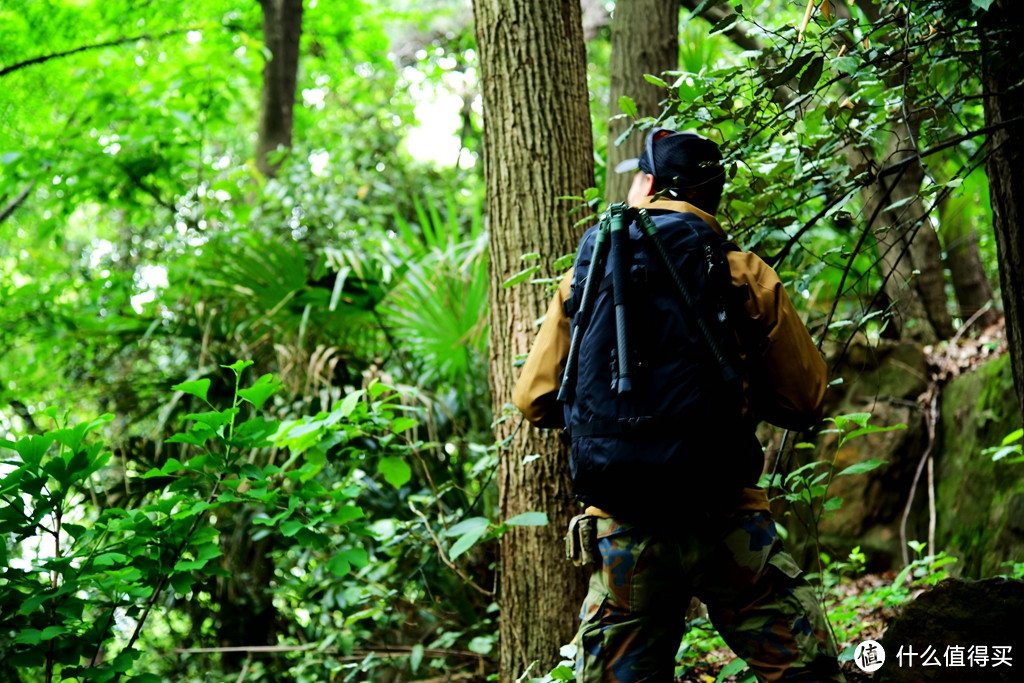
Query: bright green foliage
point(793, 116)
point(80, 577)
point(83, 587)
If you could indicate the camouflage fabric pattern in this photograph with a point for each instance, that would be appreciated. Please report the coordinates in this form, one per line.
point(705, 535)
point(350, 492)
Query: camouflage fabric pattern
point(757, 598)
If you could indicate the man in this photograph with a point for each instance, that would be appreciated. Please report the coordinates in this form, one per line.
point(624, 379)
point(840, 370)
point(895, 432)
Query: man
point(667, 463)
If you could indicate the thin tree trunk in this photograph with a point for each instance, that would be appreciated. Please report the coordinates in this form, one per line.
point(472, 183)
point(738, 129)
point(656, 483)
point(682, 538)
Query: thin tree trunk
point(282, 31)
point(1001, 31)
point(537, 147)
point(970, 284)
point(909, 251)
point(645, 40)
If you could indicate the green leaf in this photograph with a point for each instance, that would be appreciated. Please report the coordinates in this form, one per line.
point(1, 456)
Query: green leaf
point(466, 526)
point(33, 448)
point(339, 565)
point(654, 80)
point(348, 404)
point(197, 436)
point(790, 70)
point(832, 504)
point(291, 527)
point(214, 419)
point(628, 106)
point(983, 5)
point(847, 64)
point(870, 429)
point(238, 366)
point(416, 657)
point(724, 24)
point(862, 467)
point(198, 388)
point(357, 557)
point(400, 424)
point(29, 636)
point(528, 519)
point(844, 421)
point(563, 672)
point(395, 470)
point(482, 645)
point(731, 669)
point(521, 276)
point(475, 527)
point(259, 392)
point(811, 75)
point(1013, 436)
point(51, 632)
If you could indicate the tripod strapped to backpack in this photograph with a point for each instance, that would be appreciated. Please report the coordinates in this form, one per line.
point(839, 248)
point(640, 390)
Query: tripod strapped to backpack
point(610, 246)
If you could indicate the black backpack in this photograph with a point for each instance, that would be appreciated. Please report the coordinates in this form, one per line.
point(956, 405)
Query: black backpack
point(652, 389)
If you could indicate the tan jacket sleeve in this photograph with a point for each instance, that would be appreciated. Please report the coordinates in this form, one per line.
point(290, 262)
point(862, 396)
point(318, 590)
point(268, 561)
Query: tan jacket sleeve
point(788, 378)
point(536, 392)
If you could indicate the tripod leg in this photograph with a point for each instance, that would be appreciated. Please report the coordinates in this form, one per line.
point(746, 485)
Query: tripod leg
point(619, 266)
point(586, 306)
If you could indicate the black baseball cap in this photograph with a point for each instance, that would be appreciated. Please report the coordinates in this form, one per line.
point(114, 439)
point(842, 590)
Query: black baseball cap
point(680, 161)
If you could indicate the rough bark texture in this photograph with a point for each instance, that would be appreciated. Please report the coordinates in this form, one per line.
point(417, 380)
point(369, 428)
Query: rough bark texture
point(282, 31)
point(537, 146)
point(645, 40)
point(1002, 28)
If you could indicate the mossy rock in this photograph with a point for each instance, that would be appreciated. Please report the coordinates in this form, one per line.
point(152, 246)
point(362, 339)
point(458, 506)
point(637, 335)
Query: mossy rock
point(979, 503)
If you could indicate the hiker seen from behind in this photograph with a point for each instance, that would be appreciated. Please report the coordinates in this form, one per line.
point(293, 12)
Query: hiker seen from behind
point(659, 354)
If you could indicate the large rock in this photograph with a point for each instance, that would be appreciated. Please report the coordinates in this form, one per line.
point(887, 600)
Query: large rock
point(969, 623)
point(980, 503)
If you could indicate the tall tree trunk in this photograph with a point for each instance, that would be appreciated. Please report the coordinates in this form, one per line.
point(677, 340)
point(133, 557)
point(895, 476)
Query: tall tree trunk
point(645, 40)
point(537, 146)
point(1001, 29)
point(970, 284)
point(282, 31)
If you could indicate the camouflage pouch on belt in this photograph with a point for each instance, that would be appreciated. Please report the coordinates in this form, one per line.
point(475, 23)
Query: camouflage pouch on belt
point(581, 541)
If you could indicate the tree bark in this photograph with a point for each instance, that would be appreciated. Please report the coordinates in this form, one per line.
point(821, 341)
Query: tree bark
point(645, 40)
point(537, 146)
point(909, 251)
point(282, 31)
point(970, 284)
point(1001, 28)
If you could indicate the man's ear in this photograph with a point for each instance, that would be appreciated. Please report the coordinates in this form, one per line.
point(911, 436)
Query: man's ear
point(648, 185)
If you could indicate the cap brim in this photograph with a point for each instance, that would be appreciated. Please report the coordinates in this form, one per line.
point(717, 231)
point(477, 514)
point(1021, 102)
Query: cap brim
point(627, 166)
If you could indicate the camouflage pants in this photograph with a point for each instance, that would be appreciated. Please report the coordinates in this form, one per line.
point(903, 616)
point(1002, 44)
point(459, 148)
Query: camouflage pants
point(757, 598)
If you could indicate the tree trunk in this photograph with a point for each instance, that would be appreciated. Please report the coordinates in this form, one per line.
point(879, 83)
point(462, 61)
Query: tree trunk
point(971, 286)
point(1001, 29)
point(909, 251)
point(537, 146)
point(645, 40)
point(282, 30)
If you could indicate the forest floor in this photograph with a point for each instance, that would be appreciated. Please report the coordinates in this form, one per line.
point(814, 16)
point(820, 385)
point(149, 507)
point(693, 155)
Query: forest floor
point(854, 620)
